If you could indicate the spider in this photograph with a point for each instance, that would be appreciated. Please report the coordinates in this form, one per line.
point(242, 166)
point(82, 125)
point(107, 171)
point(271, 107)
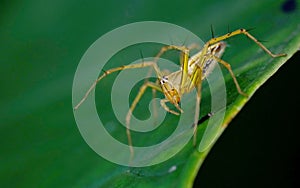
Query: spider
point(190, 76)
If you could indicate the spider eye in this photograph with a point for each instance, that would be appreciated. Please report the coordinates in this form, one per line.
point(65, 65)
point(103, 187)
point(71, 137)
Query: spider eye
point(163, 80)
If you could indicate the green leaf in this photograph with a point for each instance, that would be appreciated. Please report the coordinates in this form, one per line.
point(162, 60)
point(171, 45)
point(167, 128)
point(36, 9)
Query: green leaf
point(41, 45)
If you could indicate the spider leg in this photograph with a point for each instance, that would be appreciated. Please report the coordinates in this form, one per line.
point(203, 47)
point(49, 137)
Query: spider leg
point(142, 90)
point(163, 104)
point(182, 49)
point(196, 81)
point(228, 67)
point(197, 111)
point(132, 66)
point(245, 32)
point(154, 106)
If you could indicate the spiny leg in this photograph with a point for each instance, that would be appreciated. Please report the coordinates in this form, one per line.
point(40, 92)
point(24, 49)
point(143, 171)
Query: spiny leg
point(163, 104)
point(182, 49)
point(196, 82)
point(197, 111)
point(245, 32)
point(132, 66)
point(154, 106)
point(228, 67)
point(132, 107)
point(171, 47)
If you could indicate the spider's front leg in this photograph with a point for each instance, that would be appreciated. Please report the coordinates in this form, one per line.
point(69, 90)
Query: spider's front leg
point(142, 90)
point(132, 66)
point(163, 104)
point(244, 32)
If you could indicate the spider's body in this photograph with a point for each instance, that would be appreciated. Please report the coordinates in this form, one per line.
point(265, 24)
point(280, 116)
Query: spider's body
point(170, 83)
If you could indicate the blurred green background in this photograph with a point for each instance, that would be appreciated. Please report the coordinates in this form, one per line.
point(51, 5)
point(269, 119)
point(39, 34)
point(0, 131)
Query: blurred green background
point(43, 41)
